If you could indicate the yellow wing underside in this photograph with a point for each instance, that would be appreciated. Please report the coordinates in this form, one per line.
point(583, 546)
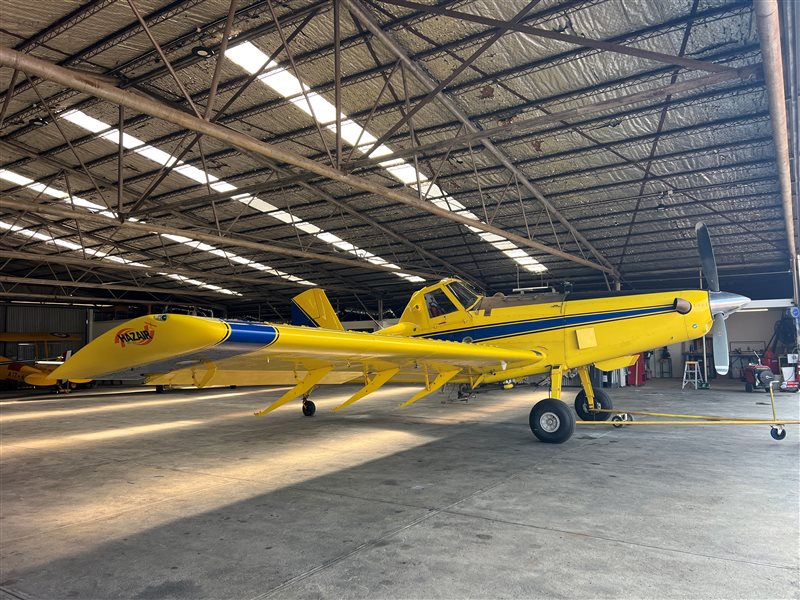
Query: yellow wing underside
point(350, 357)
point(186, 350)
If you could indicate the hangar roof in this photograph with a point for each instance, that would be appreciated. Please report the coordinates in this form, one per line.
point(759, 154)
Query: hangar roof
point(512, 144)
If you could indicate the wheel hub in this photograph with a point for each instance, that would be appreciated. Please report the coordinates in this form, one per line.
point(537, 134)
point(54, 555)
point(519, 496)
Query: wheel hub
point(549, 422)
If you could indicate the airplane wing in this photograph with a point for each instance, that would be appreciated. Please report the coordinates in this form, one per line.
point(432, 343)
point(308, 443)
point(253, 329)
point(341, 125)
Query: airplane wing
point(186, 350)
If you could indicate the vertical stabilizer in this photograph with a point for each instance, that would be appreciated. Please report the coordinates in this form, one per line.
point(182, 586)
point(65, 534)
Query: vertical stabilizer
point(313, 309)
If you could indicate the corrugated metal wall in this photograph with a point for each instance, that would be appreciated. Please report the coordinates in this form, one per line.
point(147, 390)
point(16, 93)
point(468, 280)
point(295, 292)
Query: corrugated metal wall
point(42, 319)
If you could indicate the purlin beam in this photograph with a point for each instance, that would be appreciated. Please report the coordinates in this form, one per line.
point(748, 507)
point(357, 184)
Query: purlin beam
point(87, 83)
point(505, 26)
point(658, 93)
point(441, 85)
point(711, 13)
point(357, 9)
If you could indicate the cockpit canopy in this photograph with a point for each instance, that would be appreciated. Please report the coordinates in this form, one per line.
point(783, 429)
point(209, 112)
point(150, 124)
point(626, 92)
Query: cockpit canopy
point(460, 297)
point(434, 305)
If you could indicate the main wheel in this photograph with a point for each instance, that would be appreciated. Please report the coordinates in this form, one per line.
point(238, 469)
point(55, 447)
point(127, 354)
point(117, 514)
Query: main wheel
point(309, 408)
point(601, 400)
point(552, 421)
point(159, 389)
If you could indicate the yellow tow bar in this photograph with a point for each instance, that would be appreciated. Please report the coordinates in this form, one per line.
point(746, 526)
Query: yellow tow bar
point(623, 419)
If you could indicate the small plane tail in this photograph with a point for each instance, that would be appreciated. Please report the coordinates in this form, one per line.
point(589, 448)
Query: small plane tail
point(313, 309)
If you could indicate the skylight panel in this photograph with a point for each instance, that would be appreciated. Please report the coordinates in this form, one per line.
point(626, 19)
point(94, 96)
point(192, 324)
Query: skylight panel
point(49, 239)
point(198, 175)
point(284, 83)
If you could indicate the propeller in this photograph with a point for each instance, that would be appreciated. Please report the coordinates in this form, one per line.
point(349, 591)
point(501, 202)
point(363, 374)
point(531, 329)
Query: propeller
point(721, 303)
point(707, 260)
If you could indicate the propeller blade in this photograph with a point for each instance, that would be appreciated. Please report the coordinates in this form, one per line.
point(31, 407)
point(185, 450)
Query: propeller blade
point(707, 260)
point(720, 344)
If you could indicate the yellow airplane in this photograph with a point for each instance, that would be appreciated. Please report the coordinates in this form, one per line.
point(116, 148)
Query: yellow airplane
point(447, 334)
point(35, 372)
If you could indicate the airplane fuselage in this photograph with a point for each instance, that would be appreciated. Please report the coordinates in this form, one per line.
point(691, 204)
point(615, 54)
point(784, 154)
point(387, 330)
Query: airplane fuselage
point(583, 331)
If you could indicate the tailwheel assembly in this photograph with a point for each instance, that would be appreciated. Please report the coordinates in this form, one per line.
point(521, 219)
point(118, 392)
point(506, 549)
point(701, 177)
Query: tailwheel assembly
point(552, 421)
point(309, 408)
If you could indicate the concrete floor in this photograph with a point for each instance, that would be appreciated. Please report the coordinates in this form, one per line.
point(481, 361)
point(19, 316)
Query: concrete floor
point(187, 495)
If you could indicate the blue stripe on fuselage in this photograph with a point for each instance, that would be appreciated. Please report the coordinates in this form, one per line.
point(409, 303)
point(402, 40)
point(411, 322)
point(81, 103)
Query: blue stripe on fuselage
point(503, 330)
point(251, 334)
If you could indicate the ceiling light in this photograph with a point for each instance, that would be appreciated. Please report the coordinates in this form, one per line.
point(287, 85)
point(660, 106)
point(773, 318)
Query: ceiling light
point(38, 122)
point(202, 51)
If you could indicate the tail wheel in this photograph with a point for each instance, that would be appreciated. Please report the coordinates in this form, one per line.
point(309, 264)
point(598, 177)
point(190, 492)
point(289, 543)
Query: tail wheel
point(601, 400)
point(309, 408)
point(552, 421)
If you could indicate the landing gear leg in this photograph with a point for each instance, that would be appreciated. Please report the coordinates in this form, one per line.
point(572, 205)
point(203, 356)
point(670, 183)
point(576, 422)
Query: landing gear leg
point(589, 401)
point(309, 408)
point(551, 420)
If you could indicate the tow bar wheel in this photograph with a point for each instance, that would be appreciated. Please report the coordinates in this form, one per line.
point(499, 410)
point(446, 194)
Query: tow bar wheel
point(778, 433)
point(552, 421)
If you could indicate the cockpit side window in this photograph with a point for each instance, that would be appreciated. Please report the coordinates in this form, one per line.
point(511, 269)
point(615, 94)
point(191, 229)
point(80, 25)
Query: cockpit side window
point(439, 304)
point(463, 294)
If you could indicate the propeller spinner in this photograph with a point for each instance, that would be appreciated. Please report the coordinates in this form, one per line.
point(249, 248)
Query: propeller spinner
point(722, 303)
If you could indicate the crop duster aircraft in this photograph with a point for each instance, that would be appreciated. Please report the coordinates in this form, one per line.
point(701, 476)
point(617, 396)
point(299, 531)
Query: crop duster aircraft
point(447, 334)
point(35, 372)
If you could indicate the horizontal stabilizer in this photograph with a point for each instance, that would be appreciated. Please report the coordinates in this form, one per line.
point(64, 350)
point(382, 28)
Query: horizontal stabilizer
point(313, 309)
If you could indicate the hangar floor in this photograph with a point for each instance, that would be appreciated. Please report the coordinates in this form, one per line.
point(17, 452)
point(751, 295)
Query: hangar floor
point(187, 495)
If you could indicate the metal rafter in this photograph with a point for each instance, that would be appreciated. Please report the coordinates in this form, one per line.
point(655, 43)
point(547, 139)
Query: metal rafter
point(89, 84)
point(358, 10)
point(228, 278)
point(89, 217)
point(507, 26)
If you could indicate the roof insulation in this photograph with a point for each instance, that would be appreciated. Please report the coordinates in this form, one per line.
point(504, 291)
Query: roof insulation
point(624, 181)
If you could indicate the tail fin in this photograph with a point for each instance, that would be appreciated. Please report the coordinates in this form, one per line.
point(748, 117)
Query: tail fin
point(313, 309)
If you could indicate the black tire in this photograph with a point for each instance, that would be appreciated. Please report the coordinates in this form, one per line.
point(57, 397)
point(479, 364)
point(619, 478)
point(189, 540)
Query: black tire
point(159, 389)
point(777, 434)
point(309, 408)
point(601, 400)
point(552, 421)
point(748, 387)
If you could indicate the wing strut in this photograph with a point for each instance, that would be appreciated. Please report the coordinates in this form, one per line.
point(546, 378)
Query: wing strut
point(311, 379)
point(370, 386)
point(211, 370)
point(442, 377)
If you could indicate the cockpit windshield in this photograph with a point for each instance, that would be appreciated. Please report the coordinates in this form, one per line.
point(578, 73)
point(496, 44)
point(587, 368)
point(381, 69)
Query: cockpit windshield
point(464, 294)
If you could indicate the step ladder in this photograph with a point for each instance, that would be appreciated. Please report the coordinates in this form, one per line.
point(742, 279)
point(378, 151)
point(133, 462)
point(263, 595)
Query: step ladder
point(691, 374)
